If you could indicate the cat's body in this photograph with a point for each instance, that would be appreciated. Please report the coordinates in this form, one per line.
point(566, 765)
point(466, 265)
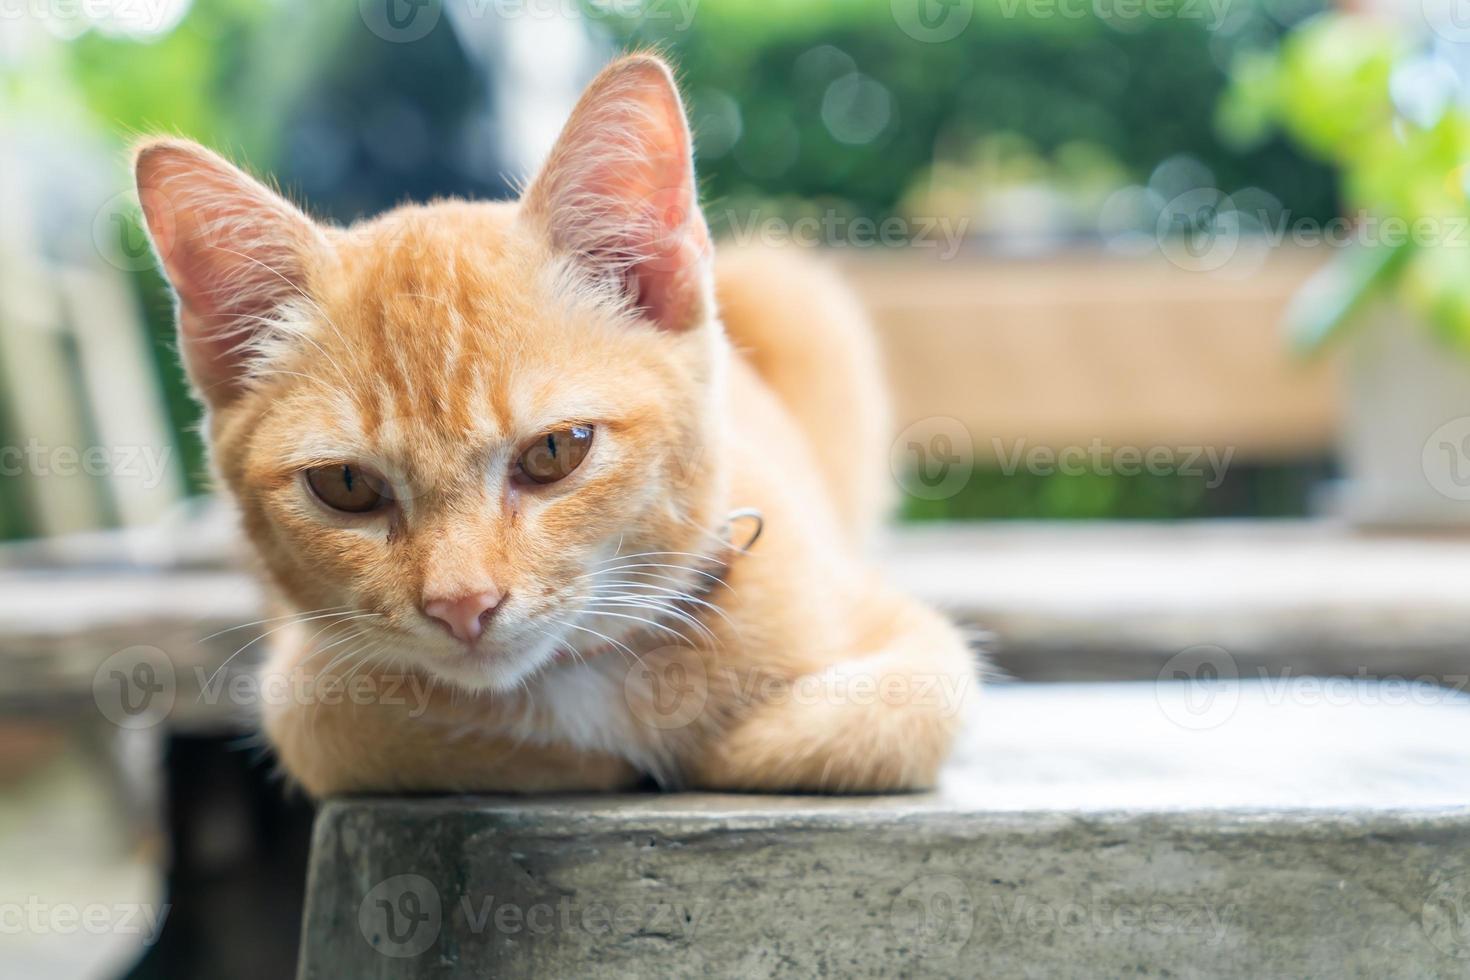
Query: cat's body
point(614, 630)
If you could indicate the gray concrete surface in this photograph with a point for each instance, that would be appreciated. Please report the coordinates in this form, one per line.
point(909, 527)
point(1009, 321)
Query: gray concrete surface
point(1172, 830)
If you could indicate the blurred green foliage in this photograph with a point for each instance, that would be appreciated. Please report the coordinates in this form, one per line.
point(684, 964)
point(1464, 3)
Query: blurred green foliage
point(1390, 116)
point(1261, 490)
point(203, 79)
point(239, 75)
point(779, 121)
point(1133, 93)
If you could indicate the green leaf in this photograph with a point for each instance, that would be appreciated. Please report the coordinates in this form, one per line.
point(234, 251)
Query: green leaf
point(1338, 290)
point(1334, 82)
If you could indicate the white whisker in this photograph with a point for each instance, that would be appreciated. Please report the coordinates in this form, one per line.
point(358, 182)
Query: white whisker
point(599, 608)
point(274, 619)
point(269, 632)
point(601, 636)
point(661, 554)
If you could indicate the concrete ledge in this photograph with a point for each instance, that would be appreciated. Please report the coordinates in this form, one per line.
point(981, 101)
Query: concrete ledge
point(1350, 858)
point(1115, 600)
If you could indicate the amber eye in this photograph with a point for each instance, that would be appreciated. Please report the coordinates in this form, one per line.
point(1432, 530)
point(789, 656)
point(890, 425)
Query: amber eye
point(349, 488)
point(554, 455)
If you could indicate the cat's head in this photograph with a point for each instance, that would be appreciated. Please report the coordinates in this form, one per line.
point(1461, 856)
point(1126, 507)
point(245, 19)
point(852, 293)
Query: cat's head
point(456, 422)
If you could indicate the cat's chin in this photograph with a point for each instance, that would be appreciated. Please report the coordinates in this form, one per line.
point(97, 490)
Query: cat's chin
point(487, 671)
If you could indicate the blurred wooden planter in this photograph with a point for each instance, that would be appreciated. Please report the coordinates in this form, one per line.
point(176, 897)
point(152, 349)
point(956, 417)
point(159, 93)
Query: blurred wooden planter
point(1406, 435)
point(1085, 347)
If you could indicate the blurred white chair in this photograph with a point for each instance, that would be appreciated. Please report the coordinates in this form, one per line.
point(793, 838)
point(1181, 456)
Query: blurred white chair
point(85, 441)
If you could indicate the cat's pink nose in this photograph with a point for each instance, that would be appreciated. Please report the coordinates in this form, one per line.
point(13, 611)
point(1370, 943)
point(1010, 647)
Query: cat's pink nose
point(466, 615)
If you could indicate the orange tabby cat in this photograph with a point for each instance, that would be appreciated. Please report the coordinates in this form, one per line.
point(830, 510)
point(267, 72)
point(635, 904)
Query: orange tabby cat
point(497, 446)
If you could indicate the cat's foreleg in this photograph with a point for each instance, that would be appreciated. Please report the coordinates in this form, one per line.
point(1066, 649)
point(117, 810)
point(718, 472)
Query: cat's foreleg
point(881, 720)
point(387, 732)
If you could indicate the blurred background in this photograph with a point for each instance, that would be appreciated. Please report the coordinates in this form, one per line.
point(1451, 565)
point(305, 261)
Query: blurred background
point(1132, 262)
point(1039, 132)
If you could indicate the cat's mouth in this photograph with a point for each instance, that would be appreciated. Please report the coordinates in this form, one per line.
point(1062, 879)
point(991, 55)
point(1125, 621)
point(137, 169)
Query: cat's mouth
point(627, 606)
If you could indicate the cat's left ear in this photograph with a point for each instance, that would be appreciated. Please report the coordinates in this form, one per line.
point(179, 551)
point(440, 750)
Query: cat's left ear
point(618, 194)
point(234, 251)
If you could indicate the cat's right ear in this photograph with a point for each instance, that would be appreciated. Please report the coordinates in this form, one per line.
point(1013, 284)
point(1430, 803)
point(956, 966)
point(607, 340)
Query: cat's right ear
point(234, 251)
point(618, 194)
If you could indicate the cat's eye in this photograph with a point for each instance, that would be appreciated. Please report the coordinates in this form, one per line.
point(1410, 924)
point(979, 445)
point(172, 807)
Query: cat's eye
point(349, 488)
point(554, 455)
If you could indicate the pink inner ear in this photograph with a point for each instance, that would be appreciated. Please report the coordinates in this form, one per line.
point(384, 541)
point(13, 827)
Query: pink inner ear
point(665, 277)
point(233, 250)
point(618, 191)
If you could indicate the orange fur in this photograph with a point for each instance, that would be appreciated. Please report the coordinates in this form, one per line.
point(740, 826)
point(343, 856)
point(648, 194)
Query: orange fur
point(435, 342)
